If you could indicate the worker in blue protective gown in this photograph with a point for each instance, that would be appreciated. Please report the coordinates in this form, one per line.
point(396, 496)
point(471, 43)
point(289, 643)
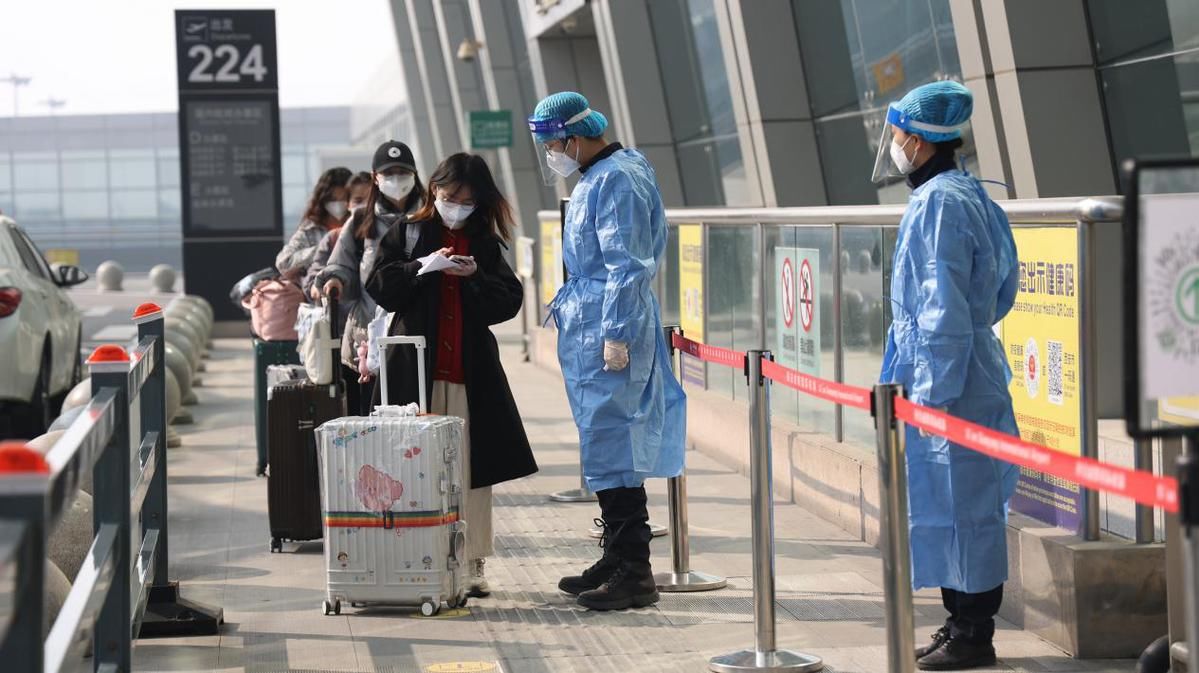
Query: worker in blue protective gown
point(630, 410)
point(955, 275)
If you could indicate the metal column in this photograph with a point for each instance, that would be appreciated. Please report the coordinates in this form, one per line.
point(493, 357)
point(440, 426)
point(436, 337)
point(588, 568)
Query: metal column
point(681, 578)
point(893, 532)
point(763, 657)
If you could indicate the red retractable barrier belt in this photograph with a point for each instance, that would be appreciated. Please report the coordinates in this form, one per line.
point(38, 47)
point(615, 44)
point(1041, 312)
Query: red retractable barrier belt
point(714, 354)
point(838, 393)
point(1143, 487)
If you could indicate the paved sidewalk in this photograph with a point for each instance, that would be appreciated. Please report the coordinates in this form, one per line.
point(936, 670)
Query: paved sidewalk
point(830, 599)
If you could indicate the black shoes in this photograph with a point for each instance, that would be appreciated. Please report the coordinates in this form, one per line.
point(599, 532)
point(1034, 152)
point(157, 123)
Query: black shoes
point(629, 587)
point(939, 639)
point(592, 578)
point(957, 654)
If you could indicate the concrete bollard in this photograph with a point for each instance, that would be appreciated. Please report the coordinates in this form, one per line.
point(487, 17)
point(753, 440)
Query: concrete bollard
point(46, 442)
point(184, 346)
point(162, 278)
point(174, 398)
point(110, 276)
point(202, 303)
point(66, 418)
point(195, 349)
point(193, 317)
point(174, 441)
point(178, 364)
point(79, 396)
point(68, 545)
point(57, 589)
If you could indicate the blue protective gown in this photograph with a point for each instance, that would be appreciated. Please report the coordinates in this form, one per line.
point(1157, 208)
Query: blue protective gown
point(632, 423)
point(955, 275)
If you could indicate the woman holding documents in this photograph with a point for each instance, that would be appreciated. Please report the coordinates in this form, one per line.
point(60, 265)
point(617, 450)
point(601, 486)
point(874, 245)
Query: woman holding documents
point(451, 286)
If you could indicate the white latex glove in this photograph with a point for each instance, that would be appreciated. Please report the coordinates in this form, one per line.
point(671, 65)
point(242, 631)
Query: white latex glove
point(616, 355)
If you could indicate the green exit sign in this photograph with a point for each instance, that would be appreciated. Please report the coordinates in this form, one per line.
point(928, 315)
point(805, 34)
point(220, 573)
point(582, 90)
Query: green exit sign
point(490, 129)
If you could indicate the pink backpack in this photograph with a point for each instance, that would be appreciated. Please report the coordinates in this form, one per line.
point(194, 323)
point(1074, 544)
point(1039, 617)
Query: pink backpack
point(273, 304)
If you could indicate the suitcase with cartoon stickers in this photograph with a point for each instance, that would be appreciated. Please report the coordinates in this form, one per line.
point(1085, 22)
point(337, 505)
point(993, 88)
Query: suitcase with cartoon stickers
point(392, 489)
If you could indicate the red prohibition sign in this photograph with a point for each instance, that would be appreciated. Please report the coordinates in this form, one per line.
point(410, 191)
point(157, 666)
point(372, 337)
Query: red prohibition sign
point(807, 303)
point(788, 294)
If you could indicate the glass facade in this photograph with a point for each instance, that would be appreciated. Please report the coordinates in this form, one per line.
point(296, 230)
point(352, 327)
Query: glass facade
point(1148, 58)
point(700, 105)
point(107, 186)
point(859, 56)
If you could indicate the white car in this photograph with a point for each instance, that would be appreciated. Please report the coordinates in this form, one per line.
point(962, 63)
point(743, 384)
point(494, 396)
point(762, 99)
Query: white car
point(40, 334)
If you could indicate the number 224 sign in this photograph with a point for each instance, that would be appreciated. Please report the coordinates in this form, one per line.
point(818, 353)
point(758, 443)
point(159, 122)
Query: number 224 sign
point(226, 50)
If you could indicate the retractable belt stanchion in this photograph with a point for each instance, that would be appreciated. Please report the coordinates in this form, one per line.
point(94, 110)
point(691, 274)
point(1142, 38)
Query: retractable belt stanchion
point(764, 656)
point(681, 578)
point(893, 532)
point(1188, 518)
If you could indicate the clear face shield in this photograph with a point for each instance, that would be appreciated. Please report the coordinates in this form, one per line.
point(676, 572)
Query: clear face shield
point(897, 152)
point(555, 149)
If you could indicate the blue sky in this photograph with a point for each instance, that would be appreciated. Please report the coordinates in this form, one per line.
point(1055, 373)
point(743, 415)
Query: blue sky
point(104, 56)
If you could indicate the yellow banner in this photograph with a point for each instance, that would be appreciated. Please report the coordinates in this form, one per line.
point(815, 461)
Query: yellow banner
point(1040, 338)
point(551, 259)
point(62, 256)
point(691, 295)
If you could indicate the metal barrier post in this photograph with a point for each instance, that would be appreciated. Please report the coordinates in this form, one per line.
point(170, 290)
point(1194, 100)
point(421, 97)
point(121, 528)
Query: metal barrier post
point(1143, 517)
point(893, 533)
point(113, 640)
point(1188, 515)
point(764, 656)
point(22, 648)
point(1090, 370)
point(682, 578)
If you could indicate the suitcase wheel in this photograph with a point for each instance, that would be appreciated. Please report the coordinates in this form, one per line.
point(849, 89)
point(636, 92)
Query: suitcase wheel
point(276, 545)
point(333, 608)
point(429, 608)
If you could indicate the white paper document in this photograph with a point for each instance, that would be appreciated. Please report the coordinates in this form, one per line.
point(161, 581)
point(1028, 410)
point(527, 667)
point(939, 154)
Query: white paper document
point(434, 262)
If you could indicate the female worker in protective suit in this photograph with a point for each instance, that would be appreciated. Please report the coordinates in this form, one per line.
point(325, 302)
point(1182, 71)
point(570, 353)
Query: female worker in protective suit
point(630, 411)
point(955, 276)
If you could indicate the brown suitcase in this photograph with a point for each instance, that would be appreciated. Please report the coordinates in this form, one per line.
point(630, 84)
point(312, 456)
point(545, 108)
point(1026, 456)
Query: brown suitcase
point(294, 410)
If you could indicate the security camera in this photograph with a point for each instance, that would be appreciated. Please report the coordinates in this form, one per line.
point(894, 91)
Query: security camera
point(469, 49)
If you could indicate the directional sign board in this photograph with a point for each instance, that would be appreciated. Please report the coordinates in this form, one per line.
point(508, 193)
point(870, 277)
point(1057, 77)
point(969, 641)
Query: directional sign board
point(797, 321)
point(1162, 287)
point(228, 148)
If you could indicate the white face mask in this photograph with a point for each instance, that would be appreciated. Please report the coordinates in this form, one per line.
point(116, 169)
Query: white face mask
point(337, 209)
point(902, 162)
point(453, 215)
point(561, 163)
point(396, 187)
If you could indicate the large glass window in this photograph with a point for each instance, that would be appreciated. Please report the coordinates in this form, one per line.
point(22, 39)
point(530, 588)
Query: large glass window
point(699, 102)
point(134, 169)
point(85, 205)
point(38, 174)
point(135, 203)
point(84, 170)
point(1148, 54)
point(859, 56)
point(37, 205)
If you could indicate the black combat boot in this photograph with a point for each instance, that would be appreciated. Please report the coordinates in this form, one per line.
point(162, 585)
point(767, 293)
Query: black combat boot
point(599, 572)
point(958, 654)
point(631, 584)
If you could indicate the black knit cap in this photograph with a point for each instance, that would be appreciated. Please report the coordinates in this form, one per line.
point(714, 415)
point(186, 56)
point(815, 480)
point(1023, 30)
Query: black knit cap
point(393, 153)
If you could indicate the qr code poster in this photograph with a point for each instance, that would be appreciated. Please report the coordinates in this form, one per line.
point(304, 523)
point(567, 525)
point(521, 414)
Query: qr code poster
point(1040, 339)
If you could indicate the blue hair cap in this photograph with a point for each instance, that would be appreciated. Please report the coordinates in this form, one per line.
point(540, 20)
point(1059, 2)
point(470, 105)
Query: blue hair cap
point(566, 114)
point(934, 111)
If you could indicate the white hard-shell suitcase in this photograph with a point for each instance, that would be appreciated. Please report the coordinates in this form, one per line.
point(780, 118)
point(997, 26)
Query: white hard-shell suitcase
point(392, 492)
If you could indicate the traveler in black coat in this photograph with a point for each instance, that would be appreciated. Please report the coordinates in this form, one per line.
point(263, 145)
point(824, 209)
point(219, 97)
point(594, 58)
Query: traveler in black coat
point(466, 219)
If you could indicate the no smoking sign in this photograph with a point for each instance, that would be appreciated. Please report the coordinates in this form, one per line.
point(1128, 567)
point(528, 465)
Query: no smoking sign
point(788, 293)
point(807, 300)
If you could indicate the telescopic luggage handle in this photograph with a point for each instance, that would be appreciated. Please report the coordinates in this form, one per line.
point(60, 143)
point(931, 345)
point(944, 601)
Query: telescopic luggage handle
point(418, 341)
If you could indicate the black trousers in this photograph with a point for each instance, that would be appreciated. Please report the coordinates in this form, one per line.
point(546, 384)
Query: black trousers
point(357, 402)
point(626, 518)
point(972, 616)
